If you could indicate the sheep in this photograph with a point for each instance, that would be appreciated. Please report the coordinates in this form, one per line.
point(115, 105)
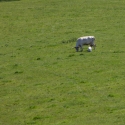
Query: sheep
point(86, 40)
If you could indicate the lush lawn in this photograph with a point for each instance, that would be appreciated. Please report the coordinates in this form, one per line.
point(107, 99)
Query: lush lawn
point(43, 81)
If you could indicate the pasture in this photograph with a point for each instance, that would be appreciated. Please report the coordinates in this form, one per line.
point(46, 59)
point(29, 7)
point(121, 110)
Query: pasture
point(43, 81)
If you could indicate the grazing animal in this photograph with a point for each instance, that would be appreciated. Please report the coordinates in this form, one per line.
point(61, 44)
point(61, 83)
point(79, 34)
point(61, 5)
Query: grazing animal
point(86, 40)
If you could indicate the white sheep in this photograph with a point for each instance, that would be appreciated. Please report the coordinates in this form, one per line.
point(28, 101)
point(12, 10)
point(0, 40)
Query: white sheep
point(86, 40)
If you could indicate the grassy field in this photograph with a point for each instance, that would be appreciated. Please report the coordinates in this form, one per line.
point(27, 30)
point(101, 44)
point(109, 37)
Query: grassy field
point(43, 81)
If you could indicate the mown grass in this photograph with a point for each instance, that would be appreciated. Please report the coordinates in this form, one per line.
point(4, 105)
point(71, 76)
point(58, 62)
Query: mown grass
point(43, 80)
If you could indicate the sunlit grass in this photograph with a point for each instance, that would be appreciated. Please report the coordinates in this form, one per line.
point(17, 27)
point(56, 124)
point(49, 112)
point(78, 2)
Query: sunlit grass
point(43, 80)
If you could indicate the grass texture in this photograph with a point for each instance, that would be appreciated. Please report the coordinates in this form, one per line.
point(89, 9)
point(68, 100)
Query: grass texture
point(43, 81)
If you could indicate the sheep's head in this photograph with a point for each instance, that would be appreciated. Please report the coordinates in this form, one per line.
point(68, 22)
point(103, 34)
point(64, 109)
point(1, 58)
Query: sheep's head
point(77, 48)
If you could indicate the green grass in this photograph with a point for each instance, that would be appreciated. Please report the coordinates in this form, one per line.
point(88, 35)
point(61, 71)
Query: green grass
point(43, 81)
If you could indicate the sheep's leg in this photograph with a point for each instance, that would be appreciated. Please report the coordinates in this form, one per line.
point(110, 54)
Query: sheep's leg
point(81, 48)
point(94, 45)
point(77, 49)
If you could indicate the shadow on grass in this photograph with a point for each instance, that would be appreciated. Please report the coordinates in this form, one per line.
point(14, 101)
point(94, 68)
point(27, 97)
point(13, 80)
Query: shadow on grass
point(8, 0)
